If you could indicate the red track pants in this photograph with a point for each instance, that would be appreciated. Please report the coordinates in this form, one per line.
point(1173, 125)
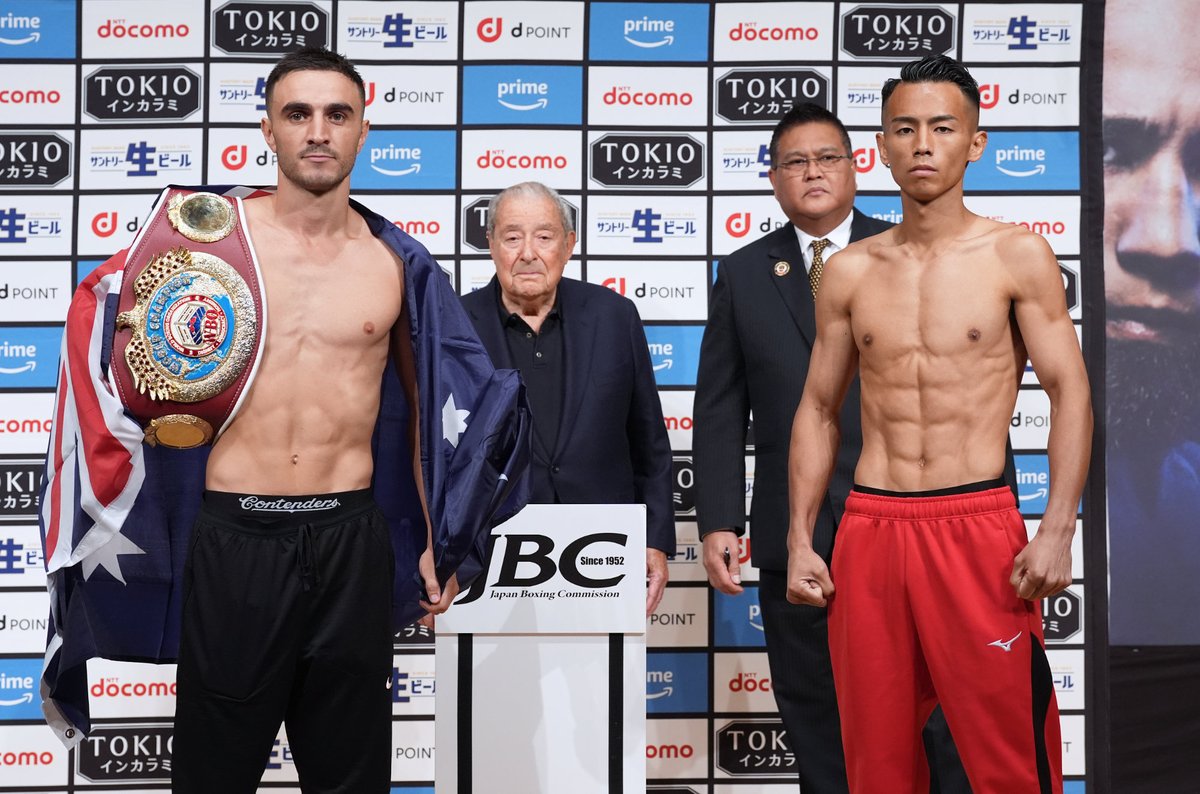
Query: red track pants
point(922, 613)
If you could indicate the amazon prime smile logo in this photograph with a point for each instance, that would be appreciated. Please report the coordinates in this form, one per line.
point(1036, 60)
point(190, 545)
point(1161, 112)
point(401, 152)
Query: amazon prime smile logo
point(17, 30)
point(18, 685)
point(392, 160)
point(16, 350)
point(281, 505)
point(649, 33)
point(1024, 161)
point(523, 94)
point(659, 684)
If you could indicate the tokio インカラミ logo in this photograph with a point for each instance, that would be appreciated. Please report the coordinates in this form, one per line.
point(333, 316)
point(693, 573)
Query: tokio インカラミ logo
point(269, 28)
point(141, 93)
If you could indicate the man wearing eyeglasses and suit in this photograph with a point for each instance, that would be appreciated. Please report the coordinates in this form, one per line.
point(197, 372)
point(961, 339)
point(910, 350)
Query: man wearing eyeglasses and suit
point(754, 360)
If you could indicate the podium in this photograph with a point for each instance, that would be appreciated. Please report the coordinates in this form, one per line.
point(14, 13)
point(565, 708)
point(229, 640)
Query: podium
point(541, 664)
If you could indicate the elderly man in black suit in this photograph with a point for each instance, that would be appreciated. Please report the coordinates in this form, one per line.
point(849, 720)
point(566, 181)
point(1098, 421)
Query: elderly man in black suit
point(754, 359)
point(599, 436)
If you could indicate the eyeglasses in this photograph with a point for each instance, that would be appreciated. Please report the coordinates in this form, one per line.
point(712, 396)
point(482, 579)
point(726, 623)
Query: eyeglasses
point(826, 162)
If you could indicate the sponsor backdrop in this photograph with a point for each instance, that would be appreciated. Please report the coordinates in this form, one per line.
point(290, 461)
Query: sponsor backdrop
point(652, 119)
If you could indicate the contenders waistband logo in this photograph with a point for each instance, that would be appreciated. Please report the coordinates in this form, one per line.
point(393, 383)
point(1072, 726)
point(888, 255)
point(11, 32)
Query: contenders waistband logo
point(260, 505)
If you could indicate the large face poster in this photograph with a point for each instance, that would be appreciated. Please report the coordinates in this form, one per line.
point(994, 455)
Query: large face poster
point(1152, 287)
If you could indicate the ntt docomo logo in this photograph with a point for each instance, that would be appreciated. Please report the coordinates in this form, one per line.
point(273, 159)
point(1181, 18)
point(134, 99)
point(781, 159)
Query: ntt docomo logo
point(749, 682)
point(496, 158)
point(113, 688)
point(35, 97)
point(120, 29)
point(669, 751)
point(26, 425)
point(623, 95)
point(750, 31)
point(26, 759)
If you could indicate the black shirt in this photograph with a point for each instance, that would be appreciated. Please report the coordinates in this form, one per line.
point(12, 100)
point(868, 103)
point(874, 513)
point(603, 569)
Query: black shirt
point(539, 357)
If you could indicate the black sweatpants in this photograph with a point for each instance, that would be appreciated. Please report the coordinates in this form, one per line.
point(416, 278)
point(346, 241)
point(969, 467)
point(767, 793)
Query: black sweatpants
point(286, 617)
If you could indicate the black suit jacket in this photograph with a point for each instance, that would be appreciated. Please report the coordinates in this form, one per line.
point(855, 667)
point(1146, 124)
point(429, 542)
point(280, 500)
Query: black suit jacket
point(754, 358)
point(612, 443)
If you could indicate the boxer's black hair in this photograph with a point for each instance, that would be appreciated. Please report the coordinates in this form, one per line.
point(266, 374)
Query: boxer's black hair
point(934, 69)
point(314, 59)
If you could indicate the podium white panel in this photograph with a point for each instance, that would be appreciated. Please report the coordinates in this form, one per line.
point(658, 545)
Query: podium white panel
point(542, 664)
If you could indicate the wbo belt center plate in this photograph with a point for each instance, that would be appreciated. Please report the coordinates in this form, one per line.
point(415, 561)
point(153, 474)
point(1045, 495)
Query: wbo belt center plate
point(195, 326)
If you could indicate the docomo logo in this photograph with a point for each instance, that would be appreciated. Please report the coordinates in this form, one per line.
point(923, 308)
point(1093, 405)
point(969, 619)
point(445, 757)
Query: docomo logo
point(750, 31)
point(35, 97)
point(418, 228)
point(233, 157)
point(622, 95)
point(989, 95)
point(749, 682)
point(1043, 227)
point(109, 687)
point(864, 160)
point(28, 758)
point(496, 158)
point(738, 224)
point(678, 422)
point(490, 28)
point(26, 425)
point(104, 224)
point(617, 285)
point(1038, 227)
point(118, 29)
point(669, 751)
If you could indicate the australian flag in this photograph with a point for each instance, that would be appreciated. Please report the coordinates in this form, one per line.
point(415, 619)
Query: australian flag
point(117, 514)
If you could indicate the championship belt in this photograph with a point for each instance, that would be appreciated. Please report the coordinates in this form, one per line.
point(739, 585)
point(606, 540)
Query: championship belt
point(190, 324)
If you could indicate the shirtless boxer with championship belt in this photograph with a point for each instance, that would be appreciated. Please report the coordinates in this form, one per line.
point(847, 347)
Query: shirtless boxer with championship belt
point(933, 590)
point(265, 323)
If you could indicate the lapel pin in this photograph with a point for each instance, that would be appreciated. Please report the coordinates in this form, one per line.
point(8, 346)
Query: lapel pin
point(782, 268)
